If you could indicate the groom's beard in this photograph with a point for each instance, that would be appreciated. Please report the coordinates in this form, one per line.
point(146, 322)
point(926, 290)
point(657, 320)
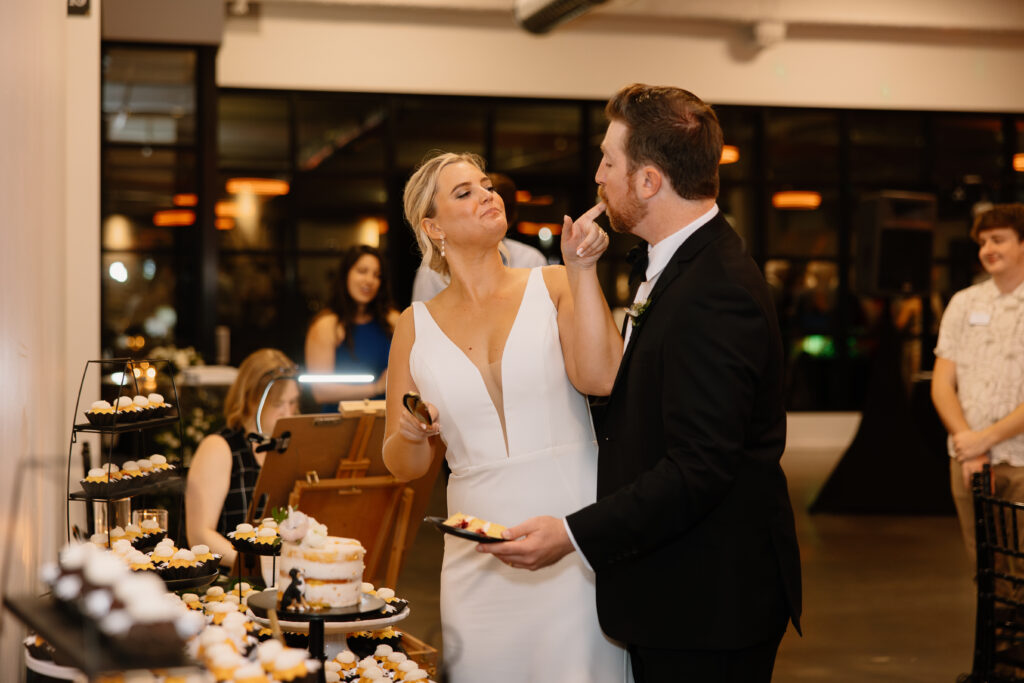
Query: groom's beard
point(626, 217)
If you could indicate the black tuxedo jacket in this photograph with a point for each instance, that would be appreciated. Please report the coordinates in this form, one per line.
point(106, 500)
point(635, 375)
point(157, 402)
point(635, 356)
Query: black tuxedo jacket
point(692, 536)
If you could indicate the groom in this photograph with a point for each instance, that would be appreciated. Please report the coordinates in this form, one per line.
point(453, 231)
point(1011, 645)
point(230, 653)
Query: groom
point(692, 536)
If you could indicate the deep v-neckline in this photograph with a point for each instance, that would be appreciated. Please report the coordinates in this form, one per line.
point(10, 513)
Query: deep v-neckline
point(501, 359)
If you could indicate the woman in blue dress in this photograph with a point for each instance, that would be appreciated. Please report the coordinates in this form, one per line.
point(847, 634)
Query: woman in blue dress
point(353, 334)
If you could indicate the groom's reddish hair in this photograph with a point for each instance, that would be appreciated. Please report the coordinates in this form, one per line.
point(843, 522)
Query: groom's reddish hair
point(674, 130)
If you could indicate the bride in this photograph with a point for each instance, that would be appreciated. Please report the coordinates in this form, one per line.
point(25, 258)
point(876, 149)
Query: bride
point(504, 357)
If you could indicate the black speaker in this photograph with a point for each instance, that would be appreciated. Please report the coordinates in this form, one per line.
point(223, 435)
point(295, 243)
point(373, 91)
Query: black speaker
point(894, 243)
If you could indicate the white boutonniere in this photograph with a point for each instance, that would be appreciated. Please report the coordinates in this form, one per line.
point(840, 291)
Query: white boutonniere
point(637, 311)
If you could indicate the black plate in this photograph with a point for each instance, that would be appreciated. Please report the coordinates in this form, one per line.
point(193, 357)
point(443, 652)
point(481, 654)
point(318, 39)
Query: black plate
point(369, 607)
point(461, 533)
point(205, 579)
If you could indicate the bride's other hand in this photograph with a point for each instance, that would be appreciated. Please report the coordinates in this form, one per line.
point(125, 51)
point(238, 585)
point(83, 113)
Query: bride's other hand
point(538, 542)
point(583, 241)
point(413, 430)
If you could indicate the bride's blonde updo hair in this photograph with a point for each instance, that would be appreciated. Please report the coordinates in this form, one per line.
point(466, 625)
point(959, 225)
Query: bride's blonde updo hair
point(418, 199)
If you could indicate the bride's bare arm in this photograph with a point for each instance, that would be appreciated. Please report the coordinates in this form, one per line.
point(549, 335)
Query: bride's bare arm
point(591, 344)
point(407, 451)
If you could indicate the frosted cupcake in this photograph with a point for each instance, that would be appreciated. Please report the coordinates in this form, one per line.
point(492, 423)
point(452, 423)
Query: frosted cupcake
point(293, 666)
point(214, 594)
point(141, 404)
point(99, 482)
point(267, 536)
point(156, 402)
point(394, 603)
point(161, 468)
point(130, 470)
point(182, 565)
point(164, 551)
point(125, 410)
point(138, 561)
point(348, 662)
point(251, 672)
point(243, 532)
point(203, 554)
point(100, 414)
point(191, 601)
point(267, 652)
point(145, 466)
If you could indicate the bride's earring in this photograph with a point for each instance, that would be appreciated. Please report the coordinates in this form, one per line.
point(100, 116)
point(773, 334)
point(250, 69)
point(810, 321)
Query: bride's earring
point(442, 247)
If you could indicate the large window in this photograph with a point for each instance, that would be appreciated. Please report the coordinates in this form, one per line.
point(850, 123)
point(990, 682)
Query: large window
point(297, 177)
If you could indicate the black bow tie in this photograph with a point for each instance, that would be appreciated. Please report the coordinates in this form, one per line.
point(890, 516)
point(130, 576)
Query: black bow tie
point(637, 258)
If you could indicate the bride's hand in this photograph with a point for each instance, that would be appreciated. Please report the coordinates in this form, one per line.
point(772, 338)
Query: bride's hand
point(412, 429)
point(583, 241)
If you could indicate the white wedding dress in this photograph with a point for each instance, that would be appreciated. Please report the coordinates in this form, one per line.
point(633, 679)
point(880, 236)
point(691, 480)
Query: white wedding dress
point(499, 623)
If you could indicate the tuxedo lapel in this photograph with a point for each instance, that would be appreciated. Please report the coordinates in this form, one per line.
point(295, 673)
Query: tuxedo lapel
point(687, 251)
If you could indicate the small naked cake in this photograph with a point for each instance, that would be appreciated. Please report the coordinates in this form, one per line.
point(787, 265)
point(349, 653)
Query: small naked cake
point(317, 571)
point(477, 526)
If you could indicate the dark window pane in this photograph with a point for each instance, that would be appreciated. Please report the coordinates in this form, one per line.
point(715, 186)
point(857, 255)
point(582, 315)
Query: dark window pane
point(802, 146)
point(738, 132)
point(341, 133)
point(336, 212)
point(149, 96)
point(536, 138)
point(969, 151)
point(252, 132)
point(252, 213)
point(138, 294)
point(887, 149)
point(248, 302)
point(137, 184)
point(810, 233)
point(423, 125)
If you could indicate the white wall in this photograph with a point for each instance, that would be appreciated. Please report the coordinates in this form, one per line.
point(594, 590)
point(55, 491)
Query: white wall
point(339, 47)
point(49, 272)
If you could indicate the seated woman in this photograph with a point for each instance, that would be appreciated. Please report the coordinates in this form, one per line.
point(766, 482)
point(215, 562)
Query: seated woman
point(225, 466)
point(353, 334)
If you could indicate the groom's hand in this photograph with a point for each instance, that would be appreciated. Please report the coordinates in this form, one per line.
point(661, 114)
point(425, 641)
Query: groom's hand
point(539, 542)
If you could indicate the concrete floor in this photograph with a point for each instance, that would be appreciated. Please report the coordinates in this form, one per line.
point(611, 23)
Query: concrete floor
point(886, 599)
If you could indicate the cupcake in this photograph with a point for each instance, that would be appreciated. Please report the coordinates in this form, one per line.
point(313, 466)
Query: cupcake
point(368, 669)
point(125, 410)
point(164, 551)
point(161, 468)
point(97, 482)
point(293, 666)
point(267, 652)
point(251, 672)
point(347, 660)
point(224, 664)
point(100, 414)
point(204, 557)
point(191, 601)
point(145, 466)
point(243, 590)
point(139, 561)
point(118, 534)
point(394, 604)
point(214, 594)
point(156, 401)
point(364, 643)
point(216, 611)
point(100, 540)
point(414, 675)
point(267, 537)
point(243, 532)
point(130, 470)
point(122, 547)
point(393, 661)
point(332, 672)
point(141, 404)
point(182, 565)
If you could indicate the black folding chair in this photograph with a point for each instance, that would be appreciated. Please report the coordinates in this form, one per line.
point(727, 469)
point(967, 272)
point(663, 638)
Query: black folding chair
point(999, 628)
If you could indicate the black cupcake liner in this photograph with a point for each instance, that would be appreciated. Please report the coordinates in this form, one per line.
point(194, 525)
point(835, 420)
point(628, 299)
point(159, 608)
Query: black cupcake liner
point(166, 571)
point(100, 419)
point(366, 645)
point(147, 541)
point(245, 545)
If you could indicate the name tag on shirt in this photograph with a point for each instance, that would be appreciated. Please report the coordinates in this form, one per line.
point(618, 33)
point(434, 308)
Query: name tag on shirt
point(979, 318)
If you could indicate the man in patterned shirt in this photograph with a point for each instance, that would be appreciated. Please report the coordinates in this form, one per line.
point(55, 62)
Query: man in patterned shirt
point(978, 381)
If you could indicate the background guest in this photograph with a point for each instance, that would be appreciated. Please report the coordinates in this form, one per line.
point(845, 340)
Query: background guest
point(429, 282)
point(225, 467)
point(353, 334)
point(978, 379)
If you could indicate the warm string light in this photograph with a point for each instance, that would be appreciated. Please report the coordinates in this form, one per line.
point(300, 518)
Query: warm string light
point(796, 199)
